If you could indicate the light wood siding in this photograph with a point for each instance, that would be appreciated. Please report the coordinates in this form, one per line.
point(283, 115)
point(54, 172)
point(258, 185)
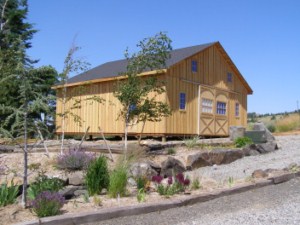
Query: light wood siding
point(211, 76)
point(94, 114)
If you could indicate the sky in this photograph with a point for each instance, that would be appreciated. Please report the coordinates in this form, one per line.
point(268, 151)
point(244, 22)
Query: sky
point(262, 37)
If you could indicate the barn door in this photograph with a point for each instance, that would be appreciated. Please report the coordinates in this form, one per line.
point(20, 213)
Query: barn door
point(207, 119)
point(222, 114)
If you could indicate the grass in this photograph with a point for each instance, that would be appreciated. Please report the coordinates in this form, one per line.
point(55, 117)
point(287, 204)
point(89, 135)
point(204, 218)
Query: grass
point(191, 143)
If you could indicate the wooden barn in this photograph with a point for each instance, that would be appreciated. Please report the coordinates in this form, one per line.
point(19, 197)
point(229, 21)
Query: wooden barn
point(204, 89)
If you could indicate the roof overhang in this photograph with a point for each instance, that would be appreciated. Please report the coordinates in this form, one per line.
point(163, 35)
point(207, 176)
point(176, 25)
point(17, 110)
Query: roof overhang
point(148, 73)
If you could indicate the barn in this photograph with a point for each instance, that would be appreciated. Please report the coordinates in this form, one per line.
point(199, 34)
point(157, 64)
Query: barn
point(204, 89)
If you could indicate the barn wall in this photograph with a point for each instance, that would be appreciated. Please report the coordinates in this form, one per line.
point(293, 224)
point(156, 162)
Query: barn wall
point(105, 114)
point(211, 79)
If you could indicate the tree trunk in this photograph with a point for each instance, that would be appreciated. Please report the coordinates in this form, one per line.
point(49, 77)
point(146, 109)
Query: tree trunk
point(24, 193)
point(142, 131)
point(63, 120)
point(126, 132)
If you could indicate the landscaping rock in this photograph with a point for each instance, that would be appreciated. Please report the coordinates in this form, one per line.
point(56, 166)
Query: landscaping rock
point(259, 174)
point(68, 191)
point(76, 178)
point(142, 169)
point(236, 132)
point(131, 182)
point(250, 150)
point(155, 166)
point(214, 157)
point(80, 192)
point(267, 147)
point(172, 166)
point(261, 127)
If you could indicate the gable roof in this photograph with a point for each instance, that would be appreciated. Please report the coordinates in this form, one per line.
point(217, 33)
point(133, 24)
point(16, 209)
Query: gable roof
point(114, 68)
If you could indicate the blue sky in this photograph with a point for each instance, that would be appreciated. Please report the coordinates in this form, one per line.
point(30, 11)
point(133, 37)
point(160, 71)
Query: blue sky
point(262, 37)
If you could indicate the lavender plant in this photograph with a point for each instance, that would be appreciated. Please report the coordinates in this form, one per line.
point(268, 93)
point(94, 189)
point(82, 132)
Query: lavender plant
point(48, 204)
point(74, 160)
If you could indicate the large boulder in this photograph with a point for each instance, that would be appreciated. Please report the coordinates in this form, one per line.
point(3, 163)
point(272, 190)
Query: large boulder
point(142, 169)
point(69, 191)
point(236, 132)
point(261, 127)
point(172, 166)
point(76, 178)
point(267, 147)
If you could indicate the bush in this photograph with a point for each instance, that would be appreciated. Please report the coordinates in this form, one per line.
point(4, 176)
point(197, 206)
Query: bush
point(97, 176)
point(141, 182)
point(118, 182)
point(8, 194)
point(43, 183)
point(242, 141)
point(48, 204)
point(74, 160)
point(171, 151)
point(271, 128)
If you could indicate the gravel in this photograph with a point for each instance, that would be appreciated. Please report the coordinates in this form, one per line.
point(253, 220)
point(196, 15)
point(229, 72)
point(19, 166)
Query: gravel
point(288, 153)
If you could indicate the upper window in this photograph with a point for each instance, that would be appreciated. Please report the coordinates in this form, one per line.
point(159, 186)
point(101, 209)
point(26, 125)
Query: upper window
point(194, 66)
point(221, 108)
point(182, 101)
point(207, 105)
point(229, 77)
point(237, 109)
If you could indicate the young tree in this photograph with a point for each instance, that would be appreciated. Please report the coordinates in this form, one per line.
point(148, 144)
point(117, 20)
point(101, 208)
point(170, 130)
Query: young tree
point(133, 92)
point(31, 101)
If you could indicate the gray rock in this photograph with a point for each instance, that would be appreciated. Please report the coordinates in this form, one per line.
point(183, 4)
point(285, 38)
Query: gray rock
point(80, 192)
point(142, 169)
point(131, 182)
point(261, 127)
point(267, 147)
point(236, 131)
point(259, 174)
point(172, 166)
point(251, 150)
point(68, 191)
point(76, 178)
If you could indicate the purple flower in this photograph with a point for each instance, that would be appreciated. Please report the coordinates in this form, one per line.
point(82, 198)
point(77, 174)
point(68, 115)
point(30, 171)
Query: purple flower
point(180, 178)
point(186, 182)
point(170, 180)
point(47, 196)
point(74, 160)
point(157, 179)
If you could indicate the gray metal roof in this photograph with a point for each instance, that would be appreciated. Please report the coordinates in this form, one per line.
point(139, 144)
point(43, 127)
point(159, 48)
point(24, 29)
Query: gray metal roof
point(114, 68)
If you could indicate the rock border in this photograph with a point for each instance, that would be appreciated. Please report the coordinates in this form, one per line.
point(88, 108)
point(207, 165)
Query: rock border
point(110, 213)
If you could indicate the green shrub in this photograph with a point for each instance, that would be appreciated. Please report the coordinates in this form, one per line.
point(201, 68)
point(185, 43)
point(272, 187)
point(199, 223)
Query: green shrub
point(191, 143)
point(8, 194)
point(171, 151)
point(48, 204)
point(97, 176)
point(271, 128)
point(141, 182)
point(242, 141)
point(44, 183)
point(141, 196)
point(118, 182)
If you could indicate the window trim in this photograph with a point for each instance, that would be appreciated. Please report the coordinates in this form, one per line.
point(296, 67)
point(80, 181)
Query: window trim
point(219, 109)
point(237, 109)
point(207, 107)
point(182, 101)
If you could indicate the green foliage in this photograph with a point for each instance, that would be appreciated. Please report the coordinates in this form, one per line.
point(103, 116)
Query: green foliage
point(242, 142)
point(171, 151)
point(44, 183)
point(196, 184)
point(271, 128)
point(141, 182)
point(141, 196)
point(118, 182)
point(191, 143)
point(230, 181)
point(48, 204)
point(97, 176)
point(133, 93)
point(8, 193)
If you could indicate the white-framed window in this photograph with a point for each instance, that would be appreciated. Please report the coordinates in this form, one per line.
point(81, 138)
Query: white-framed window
point(207, 105)
point(221, 108)
point(237, 109)
point(182, 101)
